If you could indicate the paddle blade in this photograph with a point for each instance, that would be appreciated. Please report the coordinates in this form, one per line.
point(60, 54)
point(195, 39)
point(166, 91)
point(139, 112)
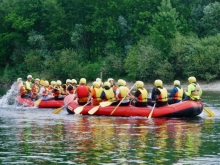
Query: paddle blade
point(93, 110)
point(58, 110)
point(209, 112)
point(36, 103)
point(105, 104)
point(78, 110)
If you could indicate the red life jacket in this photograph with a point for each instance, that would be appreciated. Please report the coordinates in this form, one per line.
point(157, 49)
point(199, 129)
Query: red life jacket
point(22, 90)
point(82, 91)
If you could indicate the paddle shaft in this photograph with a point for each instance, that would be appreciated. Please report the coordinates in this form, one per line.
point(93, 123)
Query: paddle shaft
point(151, 111)
point(122, 99)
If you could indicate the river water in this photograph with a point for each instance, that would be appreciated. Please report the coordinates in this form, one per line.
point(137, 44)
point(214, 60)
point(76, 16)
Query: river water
point(36, 136)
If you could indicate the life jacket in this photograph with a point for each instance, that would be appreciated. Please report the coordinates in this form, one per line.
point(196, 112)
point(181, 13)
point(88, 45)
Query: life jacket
point(82, 91)
point(57, 91)
point(178, 95)
point(96, 98)
point(34, 90)
point(123, 92)
point(109, 95)
point(22, 90)
point(163, 95)
point(45, 92)
point(143, 96)
point(195, 94)
point(28, 85)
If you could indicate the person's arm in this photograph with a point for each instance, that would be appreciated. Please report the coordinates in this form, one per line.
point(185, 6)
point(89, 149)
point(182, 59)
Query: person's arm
point(102, 95)
point(172, 93)
point(153, 93)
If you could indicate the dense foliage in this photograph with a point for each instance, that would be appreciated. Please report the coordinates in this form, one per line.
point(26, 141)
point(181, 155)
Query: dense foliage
point(132, 39)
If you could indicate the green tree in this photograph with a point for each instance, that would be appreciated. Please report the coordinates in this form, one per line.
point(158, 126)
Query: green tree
point(165, 25)
point(145, 62)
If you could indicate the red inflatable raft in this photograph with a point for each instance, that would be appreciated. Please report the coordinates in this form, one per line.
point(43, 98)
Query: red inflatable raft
point(182, 109)
point(43, 104)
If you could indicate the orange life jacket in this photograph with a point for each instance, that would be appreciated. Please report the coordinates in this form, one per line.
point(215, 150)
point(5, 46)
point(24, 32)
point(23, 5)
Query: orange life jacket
point(143, 96)
point(163, 95)
point(178, 95)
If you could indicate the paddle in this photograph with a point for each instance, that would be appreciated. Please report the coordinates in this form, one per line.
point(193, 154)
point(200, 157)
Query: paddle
point(78, 110)
point(102, 104)
point(151, 111)
point(209, 112)
point(37, 102)
point(122, 99)
point(68, 99)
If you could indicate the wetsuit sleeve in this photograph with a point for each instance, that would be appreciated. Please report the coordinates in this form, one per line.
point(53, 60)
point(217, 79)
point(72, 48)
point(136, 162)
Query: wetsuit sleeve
point(102, 95)
point(172, 93)
point(137, 93)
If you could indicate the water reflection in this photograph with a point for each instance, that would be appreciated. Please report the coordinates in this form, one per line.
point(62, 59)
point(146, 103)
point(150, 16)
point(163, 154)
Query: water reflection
point(36, 136)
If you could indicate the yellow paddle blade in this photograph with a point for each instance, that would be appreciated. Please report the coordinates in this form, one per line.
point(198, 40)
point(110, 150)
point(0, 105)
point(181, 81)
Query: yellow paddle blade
point(209, 112)
point(58, 110)
point(37, 102)
point(93, 110)
point(78, 110)
point(105, 104)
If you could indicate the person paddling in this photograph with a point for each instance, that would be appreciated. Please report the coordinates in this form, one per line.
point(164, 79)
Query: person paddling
point(176, 95)
point(28, 84)
point(194, 91)
point(95, 94)
point(82, 92)
point(108, 93)
point(140, 95)
point(122, 92)
point(35, 89)
point(159, 94)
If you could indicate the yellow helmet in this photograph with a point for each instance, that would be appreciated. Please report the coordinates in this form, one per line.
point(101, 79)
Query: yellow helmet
point(176, 82)
point(191, 79)
point(124, 82)
point(46, 83)
point(59, 82)
point(53, 83)
point(139, 84)
point(107, 84)
point(158, 83)
point(82, 81)
point(68, 81)
point(120, 82)
point(96, 84)
point(74, 81)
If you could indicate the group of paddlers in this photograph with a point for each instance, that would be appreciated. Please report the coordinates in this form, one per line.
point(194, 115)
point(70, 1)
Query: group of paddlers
point(108, 91)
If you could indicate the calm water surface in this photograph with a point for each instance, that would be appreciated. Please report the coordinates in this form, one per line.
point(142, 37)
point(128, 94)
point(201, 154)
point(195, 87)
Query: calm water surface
point(36, 136)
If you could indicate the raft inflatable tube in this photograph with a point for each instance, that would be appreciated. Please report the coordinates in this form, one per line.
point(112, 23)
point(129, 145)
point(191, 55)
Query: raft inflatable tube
point(43, 104)
point(182, 109)
point(26, 102)
point(51, 104)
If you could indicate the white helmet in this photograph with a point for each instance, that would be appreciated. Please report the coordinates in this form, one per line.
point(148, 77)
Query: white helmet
point(68, 81)
point(59, 82)
point(29, 76)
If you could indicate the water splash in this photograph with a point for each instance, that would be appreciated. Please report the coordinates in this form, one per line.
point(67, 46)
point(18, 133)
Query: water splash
point(10, 97)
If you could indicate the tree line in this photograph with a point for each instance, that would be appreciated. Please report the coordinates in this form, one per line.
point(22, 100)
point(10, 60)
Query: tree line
point(136, 40)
